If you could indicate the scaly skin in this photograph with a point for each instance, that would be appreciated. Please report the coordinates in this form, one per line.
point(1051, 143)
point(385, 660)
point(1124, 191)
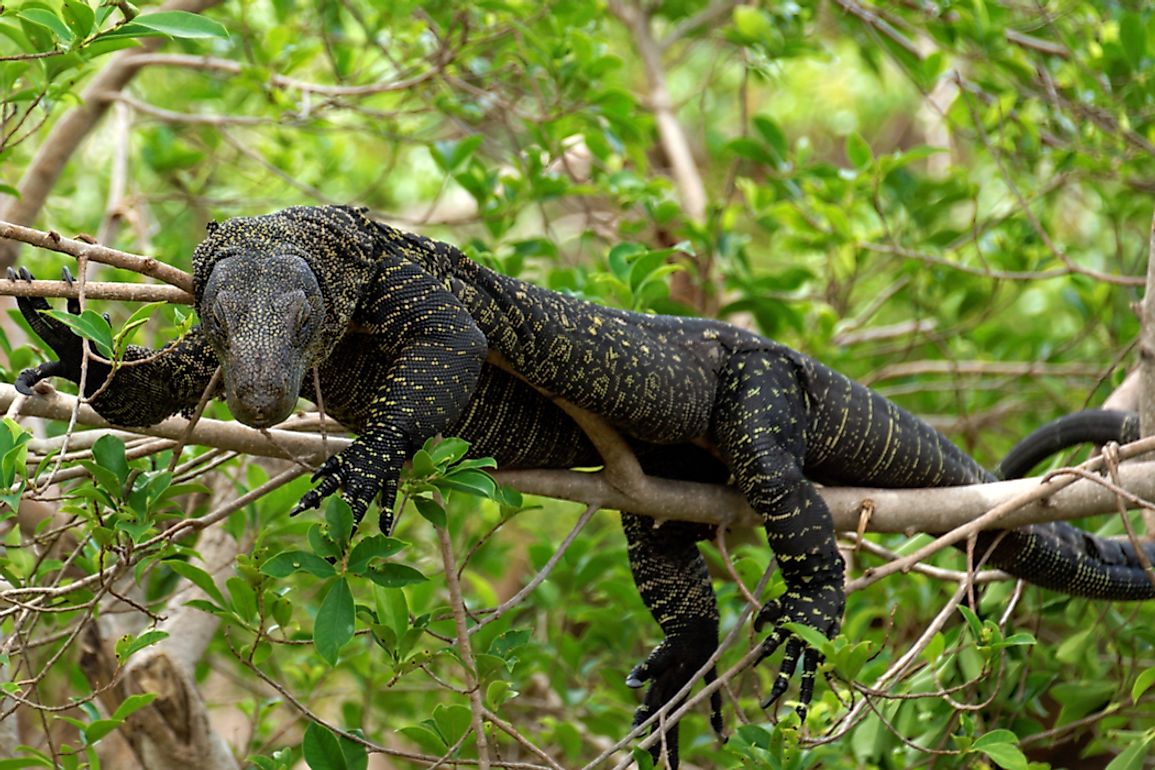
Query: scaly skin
point(398, 328)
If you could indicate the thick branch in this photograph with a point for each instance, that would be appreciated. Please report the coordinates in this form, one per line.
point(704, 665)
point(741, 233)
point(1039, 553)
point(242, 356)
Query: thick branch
point(1147, 358)
point(234, 437)
point(893, 510)
point(691, 189)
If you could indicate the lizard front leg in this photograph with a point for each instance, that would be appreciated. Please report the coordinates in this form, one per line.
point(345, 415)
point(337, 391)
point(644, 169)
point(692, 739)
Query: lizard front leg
point(434, 353)
point(759, 424)
point(150, 386)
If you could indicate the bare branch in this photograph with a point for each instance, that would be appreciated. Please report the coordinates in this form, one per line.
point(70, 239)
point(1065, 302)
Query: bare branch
point(1147, 357)
point(110, 290)
point(464, 648)
point(171, 116)
point(228, 67)
point(691, 189)
point(282, 444)
point(52, 241)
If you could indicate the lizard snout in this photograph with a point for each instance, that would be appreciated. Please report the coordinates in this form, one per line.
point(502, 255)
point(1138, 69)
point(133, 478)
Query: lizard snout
point(261, 402)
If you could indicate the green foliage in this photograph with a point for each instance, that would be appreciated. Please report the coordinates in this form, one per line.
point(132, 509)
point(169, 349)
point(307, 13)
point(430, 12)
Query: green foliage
point(947, 201)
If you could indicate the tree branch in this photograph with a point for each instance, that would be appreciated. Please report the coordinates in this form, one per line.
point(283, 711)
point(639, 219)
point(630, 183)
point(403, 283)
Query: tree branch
point(1147, 357)
point(110, 290)
point(691, 190)
point(893, 510)
point(94, 252)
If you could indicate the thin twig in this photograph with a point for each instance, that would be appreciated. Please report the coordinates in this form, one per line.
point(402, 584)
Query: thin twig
point(464, 648)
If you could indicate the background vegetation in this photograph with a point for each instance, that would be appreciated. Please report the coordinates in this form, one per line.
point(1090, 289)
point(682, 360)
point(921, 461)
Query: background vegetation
point(949, 201)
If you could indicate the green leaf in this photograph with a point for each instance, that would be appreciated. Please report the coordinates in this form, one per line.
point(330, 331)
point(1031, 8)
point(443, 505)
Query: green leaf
point(42, 17)
point(1132, 758)
point(1143, 682)
point(433, 511)
point(325, 751)
point(132, 704)
point(372, 547)
point(422, 465)
point(339, 517)
point(470, 481)
point(391, 575)
point(197, 577)
point(288, 562)
point(22, 762)
point(181, 24)
point(1133, 38)
point(452, 155)
point(504, 644)
point(79, 17)
point(858, 151)
point(90, 325)
point(129, 644)
point(96, 730)
point(447, 450)
point(976, 625)
point(335, 618)
point(244, 599)
point(812, 636)
point(138, 318)
point(322, 544)
point(1002, 747)
point(426, 737)
point(752, 25)
point(452, 721)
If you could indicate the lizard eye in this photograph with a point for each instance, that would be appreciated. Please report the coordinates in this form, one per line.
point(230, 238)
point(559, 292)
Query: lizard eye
point(220, 316)
point(301, 317)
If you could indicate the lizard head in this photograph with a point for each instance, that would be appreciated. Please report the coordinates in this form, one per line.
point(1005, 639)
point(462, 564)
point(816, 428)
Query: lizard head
point(275, 293)
point(262, 314)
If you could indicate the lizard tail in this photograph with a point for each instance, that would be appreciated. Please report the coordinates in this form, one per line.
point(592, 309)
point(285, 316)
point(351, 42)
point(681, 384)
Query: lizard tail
point(1069, 560)
point(1090, 426)
point(1057, 555)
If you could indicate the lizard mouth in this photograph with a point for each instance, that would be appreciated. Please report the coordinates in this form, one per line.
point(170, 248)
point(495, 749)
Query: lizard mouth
point(261, 402)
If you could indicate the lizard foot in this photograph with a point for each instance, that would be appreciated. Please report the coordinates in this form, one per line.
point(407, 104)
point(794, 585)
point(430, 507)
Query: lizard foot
point(668, 668)
point(821, 608)
point(369, 466)
point(68, 347)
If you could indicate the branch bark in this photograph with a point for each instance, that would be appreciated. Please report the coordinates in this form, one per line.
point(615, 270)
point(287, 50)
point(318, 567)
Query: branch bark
point(1147, 358)
point(93, 252)
point(892, 510)
point(111, 290)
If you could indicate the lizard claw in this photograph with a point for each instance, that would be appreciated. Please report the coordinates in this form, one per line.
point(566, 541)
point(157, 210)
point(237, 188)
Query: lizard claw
point(667, 669)
point(368, 467)
point(68, 347)
point(329, 474)
point(820, 608)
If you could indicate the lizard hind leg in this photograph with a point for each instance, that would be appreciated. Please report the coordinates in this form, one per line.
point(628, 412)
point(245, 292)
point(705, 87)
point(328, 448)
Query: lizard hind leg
point(674, 584)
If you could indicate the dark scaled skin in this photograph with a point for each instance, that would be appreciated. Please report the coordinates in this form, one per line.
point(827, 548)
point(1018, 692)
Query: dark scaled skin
point(398, 329)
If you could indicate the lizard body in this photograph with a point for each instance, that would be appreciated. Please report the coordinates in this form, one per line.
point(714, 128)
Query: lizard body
point(399, 327)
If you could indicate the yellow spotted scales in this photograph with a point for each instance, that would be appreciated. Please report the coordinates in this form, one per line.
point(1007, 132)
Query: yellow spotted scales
point(398, 328)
